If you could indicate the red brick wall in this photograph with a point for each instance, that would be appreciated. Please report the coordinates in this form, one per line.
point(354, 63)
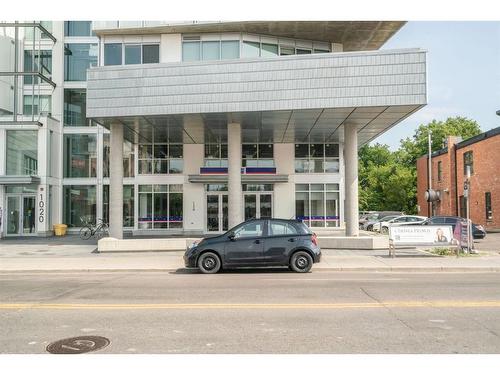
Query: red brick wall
point(486, 178)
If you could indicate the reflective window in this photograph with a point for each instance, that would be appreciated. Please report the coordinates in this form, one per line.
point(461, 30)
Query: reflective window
point(281, 229)
point(35, 105)
point(128, 205)
point(80, 155)
point(191, 51)
point(269, 50)
point(38, 33)
point(285, 51)
point(251, 229)
point(250, 49)
point(303, 51)
point(78, 28)
point(128, 157)
point(78, 57)
point(42, 63)
point(230, 49)
point(257, 155)
point(160, 206)
point(317, 204)
point(468, 162)
point(22, 152)
point(160, 158)
point(132, 54)
point(79, 205)
point(210, 50)
point(150, 54)
point(75, 108)
point(113, 54)
point(317, 158)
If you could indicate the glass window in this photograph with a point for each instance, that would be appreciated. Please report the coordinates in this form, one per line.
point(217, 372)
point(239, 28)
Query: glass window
point(487, 206)
point(332, 166)
point(316, 205)
point(302, 150)
point(332, 150)
point(303, 51)
point(230, 49)
point(113, 54)
point(78, 28)
point(317, 50)
point(80, 156)
point(160, 158)
point(78, 57)
point(191, 51)
point(128, 157)
point(212, 151)
point(210, 50)
point(35, 105)
point(316, 150)
point(132, 54)
point(22, 152)
point(160, 206)
point(249, 151)
point(269, 50)
point(440, 170)
point(150, 54)
point(128, 205)
point(317, 158)
point(250, 49)
point(285, 51)
point(281, 229)
point(79, 205)
point(75, 107)
point(42, 63)
point(266, 151)
point(468, 162)
point(252, 229)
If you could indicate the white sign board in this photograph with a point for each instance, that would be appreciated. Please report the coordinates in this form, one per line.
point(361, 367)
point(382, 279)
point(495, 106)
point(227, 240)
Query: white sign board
point(426, 235)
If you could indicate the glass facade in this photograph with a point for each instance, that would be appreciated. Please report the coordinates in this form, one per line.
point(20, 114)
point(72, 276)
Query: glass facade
point(257, 154)
point(79, 205)
point(216, 155)
point(78, 57)
point(35, 105)
point(128, 205)
point(160, 207)
point(317, 204)
point(128, 157)
point(75, 108)
point(160, 158)
point(150, 54)
point(132, 54)
point(80, 155)
point(113, 54)
point(42, 63)
point(22, 153)
point(317, 158)
point(78, 28)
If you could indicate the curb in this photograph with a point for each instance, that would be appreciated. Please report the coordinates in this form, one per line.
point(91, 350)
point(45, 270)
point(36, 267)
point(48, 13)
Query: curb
point(331, 269)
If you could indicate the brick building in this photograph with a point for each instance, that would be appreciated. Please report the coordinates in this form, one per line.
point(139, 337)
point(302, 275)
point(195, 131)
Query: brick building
point(482, 153)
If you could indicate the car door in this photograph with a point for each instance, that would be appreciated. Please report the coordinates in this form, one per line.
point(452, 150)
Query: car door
point(246, 248)
point(282, 237)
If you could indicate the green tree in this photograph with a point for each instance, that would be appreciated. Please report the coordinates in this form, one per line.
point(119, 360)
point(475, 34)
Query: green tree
point(388, 180)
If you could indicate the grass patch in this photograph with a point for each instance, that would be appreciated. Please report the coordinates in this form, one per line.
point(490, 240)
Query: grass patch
point(450, 251)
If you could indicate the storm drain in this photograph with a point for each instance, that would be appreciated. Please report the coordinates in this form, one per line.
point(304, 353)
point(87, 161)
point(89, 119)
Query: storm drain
point(78, 345)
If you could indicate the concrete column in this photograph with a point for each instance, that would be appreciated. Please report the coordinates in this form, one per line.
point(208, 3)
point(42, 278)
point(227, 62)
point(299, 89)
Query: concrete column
point(116, 181)
point(351, 179)
point(235, 208)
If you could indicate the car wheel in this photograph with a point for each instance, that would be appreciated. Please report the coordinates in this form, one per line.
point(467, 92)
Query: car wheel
point(209, 263)
point(301, 262)
point(369, 228)
point(384, 230)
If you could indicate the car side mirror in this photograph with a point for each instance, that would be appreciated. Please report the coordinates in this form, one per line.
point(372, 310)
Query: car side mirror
point(231, 236)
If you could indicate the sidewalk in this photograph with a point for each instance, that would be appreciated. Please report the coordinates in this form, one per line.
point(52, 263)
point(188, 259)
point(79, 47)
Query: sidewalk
point(67, 258)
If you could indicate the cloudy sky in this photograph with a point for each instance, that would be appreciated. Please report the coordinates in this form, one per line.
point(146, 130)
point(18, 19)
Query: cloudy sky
point(463, 73)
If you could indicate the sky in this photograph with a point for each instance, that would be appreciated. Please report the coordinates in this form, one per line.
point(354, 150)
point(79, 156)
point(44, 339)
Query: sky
point(463, 77)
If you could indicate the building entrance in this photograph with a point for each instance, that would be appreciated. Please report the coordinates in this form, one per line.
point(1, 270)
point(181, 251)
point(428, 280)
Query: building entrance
point(21, 215)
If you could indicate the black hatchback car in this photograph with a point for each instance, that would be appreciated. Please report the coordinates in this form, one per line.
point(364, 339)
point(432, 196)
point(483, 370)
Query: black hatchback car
point(257, 243)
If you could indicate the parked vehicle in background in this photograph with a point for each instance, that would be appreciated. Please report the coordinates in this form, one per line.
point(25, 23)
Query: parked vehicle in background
point(478, 231)
point(365, 220)
point(370, 224)
point(257, 243)
point(383, 225)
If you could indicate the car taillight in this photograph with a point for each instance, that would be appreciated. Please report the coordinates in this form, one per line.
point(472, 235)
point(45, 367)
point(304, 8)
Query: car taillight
point(314, 239)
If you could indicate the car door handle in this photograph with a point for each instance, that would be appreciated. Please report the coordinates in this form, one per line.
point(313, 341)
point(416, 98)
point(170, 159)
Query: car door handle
point(291, 240)
point(257, 241)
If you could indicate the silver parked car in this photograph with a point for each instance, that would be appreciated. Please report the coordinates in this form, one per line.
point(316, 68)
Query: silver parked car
point(383, 225)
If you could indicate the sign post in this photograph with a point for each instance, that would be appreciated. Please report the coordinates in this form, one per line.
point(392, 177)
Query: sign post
point(421, 235)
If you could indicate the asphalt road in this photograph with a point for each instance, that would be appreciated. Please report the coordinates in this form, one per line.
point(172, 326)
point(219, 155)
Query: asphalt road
point(254, 312)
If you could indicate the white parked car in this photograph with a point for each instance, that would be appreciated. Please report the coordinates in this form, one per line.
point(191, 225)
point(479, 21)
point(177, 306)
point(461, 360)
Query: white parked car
point(383, 225)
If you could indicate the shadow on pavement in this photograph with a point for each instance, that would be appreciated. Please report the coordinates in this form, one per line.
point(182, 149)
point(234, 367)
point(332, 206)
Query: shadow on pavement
point(188, 271)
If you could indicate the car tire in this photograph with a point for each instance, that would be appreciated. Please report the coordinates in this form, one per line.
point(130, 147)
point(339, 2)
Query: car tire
point(369, 228)
point(209, 263)
point(384, 230)
point(301, 262)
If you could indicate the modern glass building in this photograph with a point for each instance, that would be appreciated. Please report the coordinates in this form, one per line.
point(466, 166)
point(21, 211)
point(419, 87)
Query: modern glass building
point(190, 128)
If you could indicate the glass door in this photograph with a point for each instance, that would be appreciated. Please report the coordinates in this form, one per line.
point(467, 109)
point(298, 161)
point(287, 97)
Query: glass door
point(250, 206)
point(29, 214)
point(258, 205)
point(13, 215)
point(217, 212)
point(265, 205)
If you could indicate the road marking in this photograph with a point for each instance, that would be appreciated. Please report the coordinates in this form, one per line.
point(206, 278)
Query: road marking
point(270, 306)
point(330, 279)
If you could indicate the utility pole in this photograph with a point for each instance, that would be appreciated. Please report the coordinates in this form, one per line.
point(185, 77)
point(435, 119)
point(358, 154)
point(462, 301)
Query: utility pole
point(467, 195)
point(429, 172)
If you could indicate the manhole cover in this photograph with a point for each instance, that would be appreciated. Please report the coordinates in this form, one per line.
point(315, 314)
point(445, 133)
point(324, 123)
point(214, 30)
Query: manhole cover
point(78, 345)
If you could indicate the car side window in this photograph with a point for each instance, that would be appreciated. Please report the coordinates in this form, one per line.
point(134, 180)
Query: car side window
point(252, 229)
point(400, 220)
point(437, 220)
point(281, 229)
point(450, 221)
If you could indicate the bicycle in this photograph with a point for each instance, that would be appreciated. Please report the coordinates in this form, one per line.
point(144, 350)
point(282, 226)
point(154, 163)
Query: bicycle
point(99, 231)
